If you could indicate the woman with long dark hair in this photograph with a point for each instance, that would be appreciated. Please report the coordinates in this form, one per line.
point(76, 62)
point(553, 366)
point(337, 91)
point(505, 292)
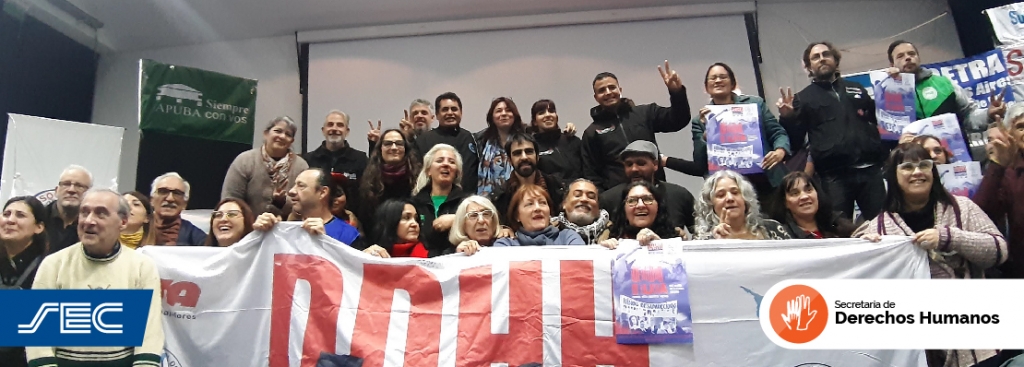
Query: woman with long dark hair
point(503, 120)
point(559, 153)
point(643, 216)
point(398, 231)
point(390, 174)
point(804, 213)
point(961, 240)
point(138, 232)
point(23, 236)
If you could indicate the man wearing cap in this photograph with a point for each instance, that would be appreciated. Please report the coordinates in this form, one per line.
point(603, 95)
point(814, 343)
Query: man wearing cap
point(640, 161)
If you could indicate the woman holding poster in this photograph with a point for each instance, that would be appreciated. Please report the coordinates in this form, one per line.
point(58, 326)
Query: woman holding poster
point(769, 140)
point(727, 209)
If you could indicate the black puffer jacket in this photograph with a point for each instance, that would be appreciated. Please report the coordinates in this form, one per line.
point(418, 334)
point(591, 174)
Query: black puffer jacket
point(612, 131)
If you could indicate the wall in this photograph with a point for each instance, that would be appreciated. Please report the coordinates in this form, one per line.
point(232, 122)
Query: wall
point(860, 29)
point(272, 61)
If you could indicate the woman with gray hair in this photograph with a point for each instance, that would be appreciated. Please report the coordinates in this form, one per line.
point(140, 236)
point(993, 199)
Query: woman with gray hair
point(437, 195)
point(262, 176)
point(728, 209)
point(1002, 188)
point(476, 225)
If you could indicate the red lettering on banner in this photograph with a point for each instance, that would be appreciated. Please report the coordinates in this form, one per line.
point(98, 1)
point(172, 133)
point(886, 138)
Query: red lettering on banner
point(1013, 59)
point(524, 341)
point(325, 288)
point(181, 293)
point(580, 344)
point(423, 338)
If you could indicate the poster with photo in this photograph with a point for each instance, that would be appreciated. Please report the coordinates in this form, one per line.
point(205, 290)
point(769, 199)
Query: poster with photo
point(651, 299)
point(961, 178)
point(894, 103)
point(947, 128)
point(734, 138)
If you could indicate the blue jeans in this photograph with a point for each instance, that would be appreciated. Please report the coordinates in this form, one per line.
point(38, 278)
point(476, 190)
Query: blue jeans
point(864, 186)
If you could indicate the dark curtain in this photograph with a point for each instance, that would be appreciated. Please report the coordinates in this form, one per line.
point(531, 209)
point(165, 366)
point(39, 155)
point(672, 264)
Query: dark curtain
point(973, 26)
point(203, 163)
point(42, 72)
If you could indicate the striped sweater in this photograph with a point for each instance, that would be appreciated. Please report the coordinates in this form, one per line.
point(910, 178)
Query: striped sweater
point(969, 243)
point(72, 268)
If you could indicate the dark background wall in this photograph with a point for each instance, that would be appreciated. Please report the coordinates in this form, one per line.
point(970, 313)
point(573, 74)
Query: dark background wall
point(972, 26)
point(42, 72)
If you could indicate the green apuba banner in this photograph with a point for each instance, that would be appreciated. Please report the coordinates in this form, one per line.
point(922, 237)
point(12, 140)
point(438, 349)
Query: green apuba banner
point(197, 103)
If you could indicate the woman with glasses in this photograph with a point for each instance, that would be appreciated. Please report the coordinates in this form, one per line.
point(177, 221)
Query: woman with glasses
point(390, 174)
point(728, 209)
point(137, 232)
point(503, 120)
point(476, 225)
point(263, 175)
point(961, 240)
point(530, 218)
point(642, 217)
point(720, 83)
point(229, 223)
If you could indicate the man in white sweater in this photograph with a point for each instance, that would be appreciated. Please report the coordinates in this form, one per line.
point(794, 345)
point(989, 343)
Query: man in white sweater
point(99, 261)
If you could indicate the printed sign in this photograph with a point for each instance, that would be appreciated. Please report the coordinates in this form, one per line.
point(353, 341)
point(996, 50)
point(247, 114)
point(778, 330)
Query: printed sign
point(894, 103)
point(734, 138)
point(947, 129)
point(961, 178)
point(1008, 23)
point(79, 318)
point(651, 302)
point(981, 76)
point(198, 103)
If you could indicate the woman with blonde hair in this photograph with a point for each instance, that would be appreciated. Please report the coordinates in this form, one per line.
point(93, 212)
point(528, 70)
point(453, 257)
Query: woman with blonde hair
point(476, 225)
point(437, 195)
point(728, 209)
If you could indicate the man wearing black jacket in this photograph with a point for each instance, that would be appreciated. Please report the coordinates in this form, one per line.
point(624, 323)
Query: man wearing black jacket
point(522, 152)
point(335, 156)
point(449, 116)
point(618, 122)
point(839, 119)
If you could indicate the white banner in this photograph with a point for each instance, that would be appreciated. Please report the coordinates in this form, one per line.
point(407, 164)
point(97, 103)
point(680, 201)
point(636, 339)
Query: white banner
point(1008, 23)
point(280, 298)
point(38, 149)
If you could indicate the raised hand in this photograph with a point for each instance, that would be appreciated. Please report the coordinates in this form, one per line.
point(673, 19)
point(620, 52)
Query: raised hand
point(570, 129)
point(672, 80)
point(374, 134)
point(785, 103)
point(996, 106)
point(406, 125)
point(1000, 147)
point(723, 229)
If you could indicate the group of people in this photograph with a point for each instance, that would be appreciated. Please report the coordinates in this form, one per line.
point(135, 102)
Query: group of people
point(425, 191)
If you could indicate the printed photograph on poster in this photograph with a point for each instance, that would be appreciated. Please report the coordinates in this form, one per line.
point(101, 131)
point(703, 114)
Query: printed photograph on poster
point(894, 103)
point(947, 129)
point(734, 138)
point(651, 299)
point(961, 178)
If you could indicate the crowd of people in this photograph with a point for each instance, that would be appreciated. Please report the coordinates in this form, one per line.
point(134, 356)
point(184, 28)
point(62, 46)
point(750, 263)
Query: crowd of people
point(425, 191)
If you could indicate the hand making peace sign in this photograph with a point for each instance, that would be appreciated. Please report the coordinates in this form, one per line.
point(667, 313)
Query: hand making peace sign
point(672, 80)
point(785, 103)
point(996, 106)
point(374, 134)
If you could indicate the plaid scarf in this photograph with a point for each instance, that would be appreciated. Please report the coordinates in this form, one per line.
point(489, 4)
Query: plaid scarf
point(278, 170)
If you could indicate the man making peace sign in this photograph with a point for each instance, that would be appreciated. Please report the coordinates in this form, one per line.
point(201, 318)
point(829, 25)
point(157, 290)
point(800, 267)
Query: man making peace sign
point(617, 122)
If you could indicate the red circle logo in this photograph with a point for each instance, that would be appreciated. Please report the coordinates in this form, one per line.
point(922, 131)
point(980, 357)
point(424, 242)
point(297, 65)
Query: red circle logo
point(798, 314)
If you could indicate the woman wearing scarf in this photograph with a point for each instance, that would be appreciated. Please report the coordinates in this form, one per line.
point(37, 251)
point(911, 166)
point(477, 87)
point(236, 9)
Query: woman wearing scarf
point(530, 218)
point(503, 120)
point(264, 175)
point(390, 174)
point(138, 233)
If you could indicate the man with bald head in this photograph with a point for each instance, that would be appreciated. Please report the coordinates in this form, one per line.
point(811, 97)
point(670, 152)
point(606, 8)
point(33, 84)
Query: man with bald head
point(335, 155)
point(62, 213)
point(99, 261)
point(169, 196)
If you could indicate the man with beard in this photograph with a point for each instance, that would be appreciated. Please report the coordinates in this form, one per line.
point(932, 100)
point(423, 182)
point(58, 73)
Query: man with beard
point(936, 95)
point(449, 115)
point(335, 155)
point(581, 213)
point(522, 151)
point(419, 118)
point(618, 122)
point(311, 196)
point(838, 118)
point(62, 214)
point(640, 161)
point(169, 196)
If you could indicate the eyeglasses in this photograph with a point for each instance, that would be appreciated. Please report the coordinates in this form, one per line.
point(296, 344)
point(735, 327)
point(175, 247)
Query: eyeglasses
point(633, 200)
point(165, 191)
point(230, 214)
point(393, 143)
point(822, 55)
point(714, 78)
point(909, 167)
point(70, 184)
point(483, 214)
